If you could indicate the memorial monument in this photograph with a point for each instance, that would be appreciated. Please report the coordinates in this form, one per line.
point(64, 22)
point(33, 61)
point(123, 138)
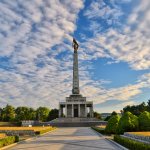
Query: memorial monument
point(76, 105)
point(76, 110)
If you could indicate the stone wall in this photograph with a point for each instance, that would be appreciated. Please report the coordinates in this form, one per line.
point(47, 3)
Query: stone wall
point(18, 132)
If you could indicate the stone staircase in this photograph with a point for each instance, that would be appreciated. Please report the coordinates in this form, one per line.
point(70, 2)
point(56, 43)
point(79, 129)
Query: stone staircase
point(75, 122)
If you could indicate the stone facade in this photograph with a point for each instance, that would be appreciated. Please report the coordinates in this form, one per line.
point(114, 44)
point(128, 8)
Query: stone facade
point(76, 105)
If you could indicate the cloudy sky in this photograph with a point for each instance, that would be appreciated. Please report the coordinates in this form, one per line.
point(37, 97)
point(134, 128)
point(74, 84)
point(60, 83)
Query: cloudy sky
point(36, 52)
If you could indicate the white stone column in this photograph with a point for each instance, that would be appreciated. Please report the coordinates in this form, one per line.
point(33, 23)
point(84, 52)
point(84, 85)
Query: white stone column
point(79, 109)
point(85, 110)
point(91, 111)
point(66, 110)
point(72, 110)
point(59, 110)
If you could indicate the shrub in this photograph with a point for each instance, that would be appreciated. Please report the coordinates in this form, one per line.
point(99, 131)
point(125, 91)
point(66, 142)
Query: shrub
point(131, 144)
point(112, 124)
point(7, 141)
point(144, 121)
point(16, 138)
point(128, 122)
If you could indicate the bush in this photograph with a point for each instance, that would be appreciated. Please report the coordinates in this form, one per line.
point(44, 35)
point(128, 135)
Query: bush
point(128, 122)
point(112, 124)
point(16, 138)
point(144, 121)
point(100, 130)
point(131, 144)
point(7, 141)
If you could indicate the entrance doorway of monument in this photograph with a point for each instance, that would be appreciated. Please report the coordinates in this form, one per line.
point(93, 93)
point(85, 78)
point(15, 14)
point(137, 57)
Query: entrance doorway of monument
point(76, 114)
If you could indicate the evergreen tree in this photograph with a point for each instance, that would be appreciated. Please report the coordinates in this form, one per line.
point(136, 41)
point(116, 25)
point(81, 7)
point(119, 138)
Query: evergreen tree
point(53, 114)
point(8, 113)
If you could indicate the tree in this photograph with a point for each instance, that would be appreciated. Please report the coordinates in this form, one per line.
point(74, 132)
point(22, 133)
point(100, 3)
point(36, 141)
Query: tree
point(128, 122)
point(53, 114)
point(113, 113)
point(136, 109)
point(112, 124)
point(42, 113)
point(97, 115)
point(32, 114)
point(144, 121)
point(148, 102)
point(8, 113)
point(25, 113)
point(108, 117)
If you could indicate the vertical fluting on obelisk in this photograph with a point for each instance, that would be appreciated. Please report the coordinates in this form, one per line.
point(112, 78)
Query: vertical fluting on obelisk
point(75, 89)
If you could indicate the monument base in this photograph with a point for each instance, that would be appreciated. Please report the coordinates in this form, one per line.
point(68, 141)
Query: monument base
point(76, 122)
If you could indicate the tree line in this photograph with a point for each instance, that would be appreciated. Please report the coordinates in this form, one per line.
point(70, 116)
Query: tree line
point(12, 114)
point(137, 109)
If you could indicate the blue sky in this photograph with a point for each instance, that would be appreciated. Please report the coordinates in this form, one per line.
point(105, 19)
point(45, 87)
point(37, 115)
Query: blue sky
point(36, 52)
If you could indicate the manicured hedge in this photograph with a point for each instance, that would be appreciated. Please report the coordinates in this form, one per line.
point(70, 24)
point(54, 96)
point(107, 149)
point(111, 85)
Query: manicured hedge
point(144, 121)
point(128, 123)
point(112, 124)
point(100, 130)
point(44, 131)
point(8, 140)
point(131, 144)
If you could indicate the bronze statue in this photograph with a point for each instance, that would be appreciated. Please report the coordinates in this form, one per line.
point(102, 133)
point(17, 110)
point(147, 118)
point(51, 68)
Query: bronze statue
point(75, 45)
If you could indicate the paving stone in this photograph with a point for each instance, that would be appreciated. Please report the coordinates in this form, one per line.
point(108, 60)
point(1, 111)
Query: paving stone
point(73, 138)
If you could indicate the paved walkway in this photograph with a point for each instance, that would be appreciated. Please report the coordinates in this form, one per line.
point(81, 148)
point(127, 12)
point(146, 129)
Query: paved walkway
point(81, 138)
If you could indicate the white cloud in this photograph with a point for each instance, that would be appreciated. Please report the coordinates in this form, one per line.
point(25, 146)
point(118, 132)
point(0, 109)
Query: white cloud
point(129, 43)
point(32, 35)
point(29, 30)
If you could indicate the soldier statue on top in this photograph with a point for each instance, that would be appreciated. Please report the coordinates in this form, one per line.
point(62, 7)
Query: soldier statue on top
point(75, 45)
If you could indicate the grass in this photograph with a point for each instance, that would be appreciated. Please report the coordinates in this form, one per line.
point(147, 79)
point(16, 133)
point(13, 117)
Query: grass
point(140, 133)
point(102, 126)
point(6, 124)
point(26, 128)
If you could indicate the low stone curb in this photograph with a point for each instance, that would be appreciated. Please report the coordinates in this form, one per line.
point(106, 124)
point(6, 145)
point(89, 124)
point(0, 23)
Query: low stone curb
point(11, 145)
point(118, 145)
point(113, 142)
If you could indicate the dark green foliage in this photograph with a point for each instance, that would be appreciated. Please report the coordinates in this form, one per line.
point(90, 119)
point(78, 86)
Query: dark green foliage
point(144, 121)
point(100, 130)
point(107, 118)
point(137, 109)
point(128, 122)
point(8, 113)
point(25, 113)
point(131, 144)
point(53, 114)
point(97, 115)
point(16, 138)
point(113, 113)
point(42, 113)
point(112, 124)
point(7, 141)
